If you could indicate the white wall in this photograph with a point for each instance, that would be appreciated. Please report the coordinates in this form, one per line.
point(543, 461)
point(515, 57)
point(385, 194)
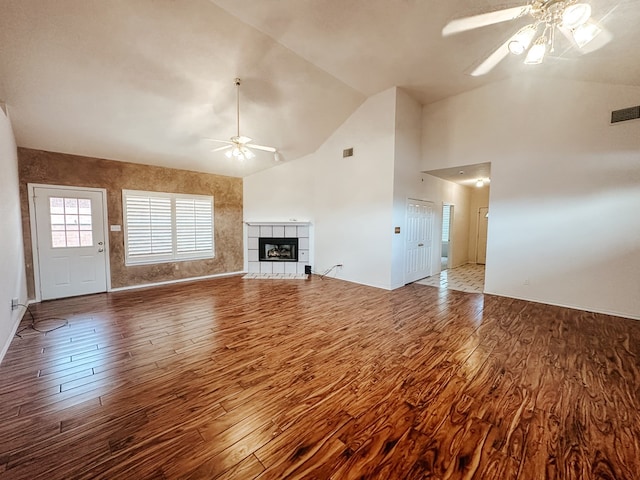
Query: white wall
point(348, 200)
point(565, 187)
point(13, 279)
point(406, 177)
point(355, 203)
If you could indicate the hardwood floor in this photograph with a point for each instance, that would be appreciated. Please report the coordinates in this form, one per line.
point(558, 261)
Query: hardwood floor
point(267, 379)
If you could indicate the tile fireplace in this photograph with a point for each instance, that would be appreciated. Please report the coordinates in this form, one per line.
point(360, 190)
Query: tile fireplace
point(278, 247)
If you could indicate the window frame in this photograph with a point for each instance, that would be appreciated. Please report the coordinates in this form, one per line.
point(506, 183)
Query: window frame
point(174, 255)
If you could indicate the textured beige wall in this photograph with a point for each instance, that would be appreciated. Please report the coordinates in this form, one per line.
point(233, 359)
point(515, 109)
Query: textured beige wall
point(37, 166)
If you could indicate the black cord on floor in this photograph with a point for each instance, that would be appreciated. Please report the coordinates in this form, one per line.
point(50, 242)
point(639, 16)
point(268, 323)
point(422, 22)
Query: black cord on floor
point(34, 324)
point(328, 271)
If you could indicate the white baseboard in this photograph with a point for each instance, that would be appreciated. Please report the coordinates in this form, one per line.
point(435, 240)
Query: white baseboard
point(14, 329)
point(181, 280)
point(572, 307)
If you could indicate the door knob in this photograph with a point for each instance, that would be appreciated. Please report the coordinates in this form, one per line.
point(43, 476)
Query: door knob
point(100, 243)
point(421, 244)
point(100, 250)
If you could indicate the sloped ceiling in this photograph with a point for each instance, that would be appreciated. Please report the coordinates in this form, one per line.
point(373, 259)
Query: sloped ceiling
point(372, 45)
point(148, 80)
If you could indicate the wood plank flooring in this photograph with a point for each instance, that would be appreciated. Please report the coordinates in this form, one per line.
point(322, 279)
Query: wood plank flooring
point(270, 379)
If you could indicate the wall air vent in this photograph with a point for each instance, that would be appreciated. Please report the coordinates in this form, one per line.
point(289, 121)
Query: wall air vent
point(625, 114)
point(347, 152)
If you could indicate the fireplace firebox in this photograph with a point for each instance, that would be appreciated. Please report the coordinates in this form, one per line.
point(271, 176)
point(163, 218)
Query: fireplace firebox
point(277, 249)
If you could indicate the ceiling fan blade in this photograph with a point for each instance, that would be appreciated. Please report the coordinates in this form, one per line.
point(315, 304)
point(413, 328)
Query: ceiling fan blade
point(219, 141)
point(492, 60)
point(261, 147)
point(484, 19)
point(222, 148)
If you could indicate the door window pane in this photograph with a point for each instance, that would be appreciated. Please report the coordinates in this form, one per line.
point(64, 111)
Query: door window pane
point(70, 205)
point(58, 239)
point(57, 222)
point(84, 206)
point(73, 239)
point(71, 223)
point(56, 205)
point(85, 222)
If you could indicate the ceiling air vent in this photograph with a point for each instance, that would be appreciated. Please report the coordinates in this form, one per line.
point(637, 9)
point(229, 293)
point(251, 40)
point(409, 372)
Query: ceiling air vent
point(625, 114)
point(347, 152)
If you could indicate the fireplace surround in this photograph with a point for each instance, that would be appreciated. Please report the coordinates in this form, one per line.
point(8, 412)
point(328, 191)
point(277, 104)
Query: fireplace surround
point(289, 243)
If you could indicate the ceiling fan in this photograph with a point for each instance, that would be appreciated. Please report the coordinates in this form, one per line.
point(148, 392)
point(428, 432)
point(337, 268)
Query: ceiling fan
point(570, 17)
point(239, 146)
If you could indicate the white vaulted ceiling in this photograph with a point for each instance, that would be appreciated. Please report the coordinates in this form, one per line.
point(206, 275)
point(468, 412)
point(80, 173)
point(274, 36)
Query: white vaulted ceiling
point(147, 80)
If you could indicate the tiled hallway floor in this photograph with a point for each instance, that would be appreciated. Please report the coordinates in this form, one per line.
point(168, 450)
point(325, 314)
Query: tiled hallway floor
point(466, 278)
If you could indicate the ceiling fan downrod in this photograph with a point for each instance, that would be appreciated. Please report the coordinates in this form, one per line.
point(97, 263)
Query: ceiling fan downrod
point(236, 82)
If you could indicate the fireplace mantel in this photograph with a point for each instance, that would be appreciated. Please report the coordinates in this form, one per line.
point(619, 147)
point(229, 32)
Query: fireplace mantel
point(288, 222)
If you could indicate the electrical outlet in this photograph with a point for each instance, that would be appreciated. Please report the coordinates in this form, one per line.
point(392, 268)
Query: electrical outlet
point(526, 281)
point(14, 303)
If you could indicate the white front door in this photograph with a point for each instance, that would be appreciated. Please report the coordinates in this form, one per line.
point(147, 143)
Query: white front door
point(419, 240)
point(70, 241)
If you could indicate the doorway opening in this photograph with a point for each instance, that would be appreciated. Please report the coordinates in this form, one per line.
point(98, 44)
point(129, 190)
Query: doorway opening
point(464, 196)
point(447, 230)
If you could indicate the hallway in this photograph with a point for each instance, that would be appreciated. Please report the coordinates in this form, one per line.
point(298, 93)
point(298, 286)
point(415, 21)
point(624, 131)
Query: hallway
point(465, 278)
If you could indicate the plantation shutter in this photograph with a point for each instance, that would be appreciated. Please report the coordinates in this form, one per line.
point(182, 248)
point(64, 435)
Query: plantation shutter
point(148, 228)
point(164, 227)
point(194, 226)
point(446, 221)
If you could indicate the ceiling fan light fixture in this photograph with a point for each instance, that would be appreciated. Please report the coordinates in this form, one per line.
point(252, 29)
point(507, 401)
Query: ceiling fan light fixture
point(248, 154)
point(480, 183)
point(521, 40)
point(586, 32)
point(537, 52)
point(576, 15)
point(240, 152)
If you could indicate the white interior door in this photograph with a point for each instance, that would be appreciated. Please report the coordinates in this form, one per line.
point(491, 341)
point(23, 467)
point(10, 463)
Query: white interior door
point(483, 225)
point(419, 240)
point(70, 242)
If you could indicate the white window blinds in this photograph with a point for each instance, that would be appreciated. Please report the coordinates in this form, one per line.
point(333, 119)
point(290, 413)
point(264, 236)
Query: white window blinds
point(194, 225)
point(164, 227)
point(446, 222)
